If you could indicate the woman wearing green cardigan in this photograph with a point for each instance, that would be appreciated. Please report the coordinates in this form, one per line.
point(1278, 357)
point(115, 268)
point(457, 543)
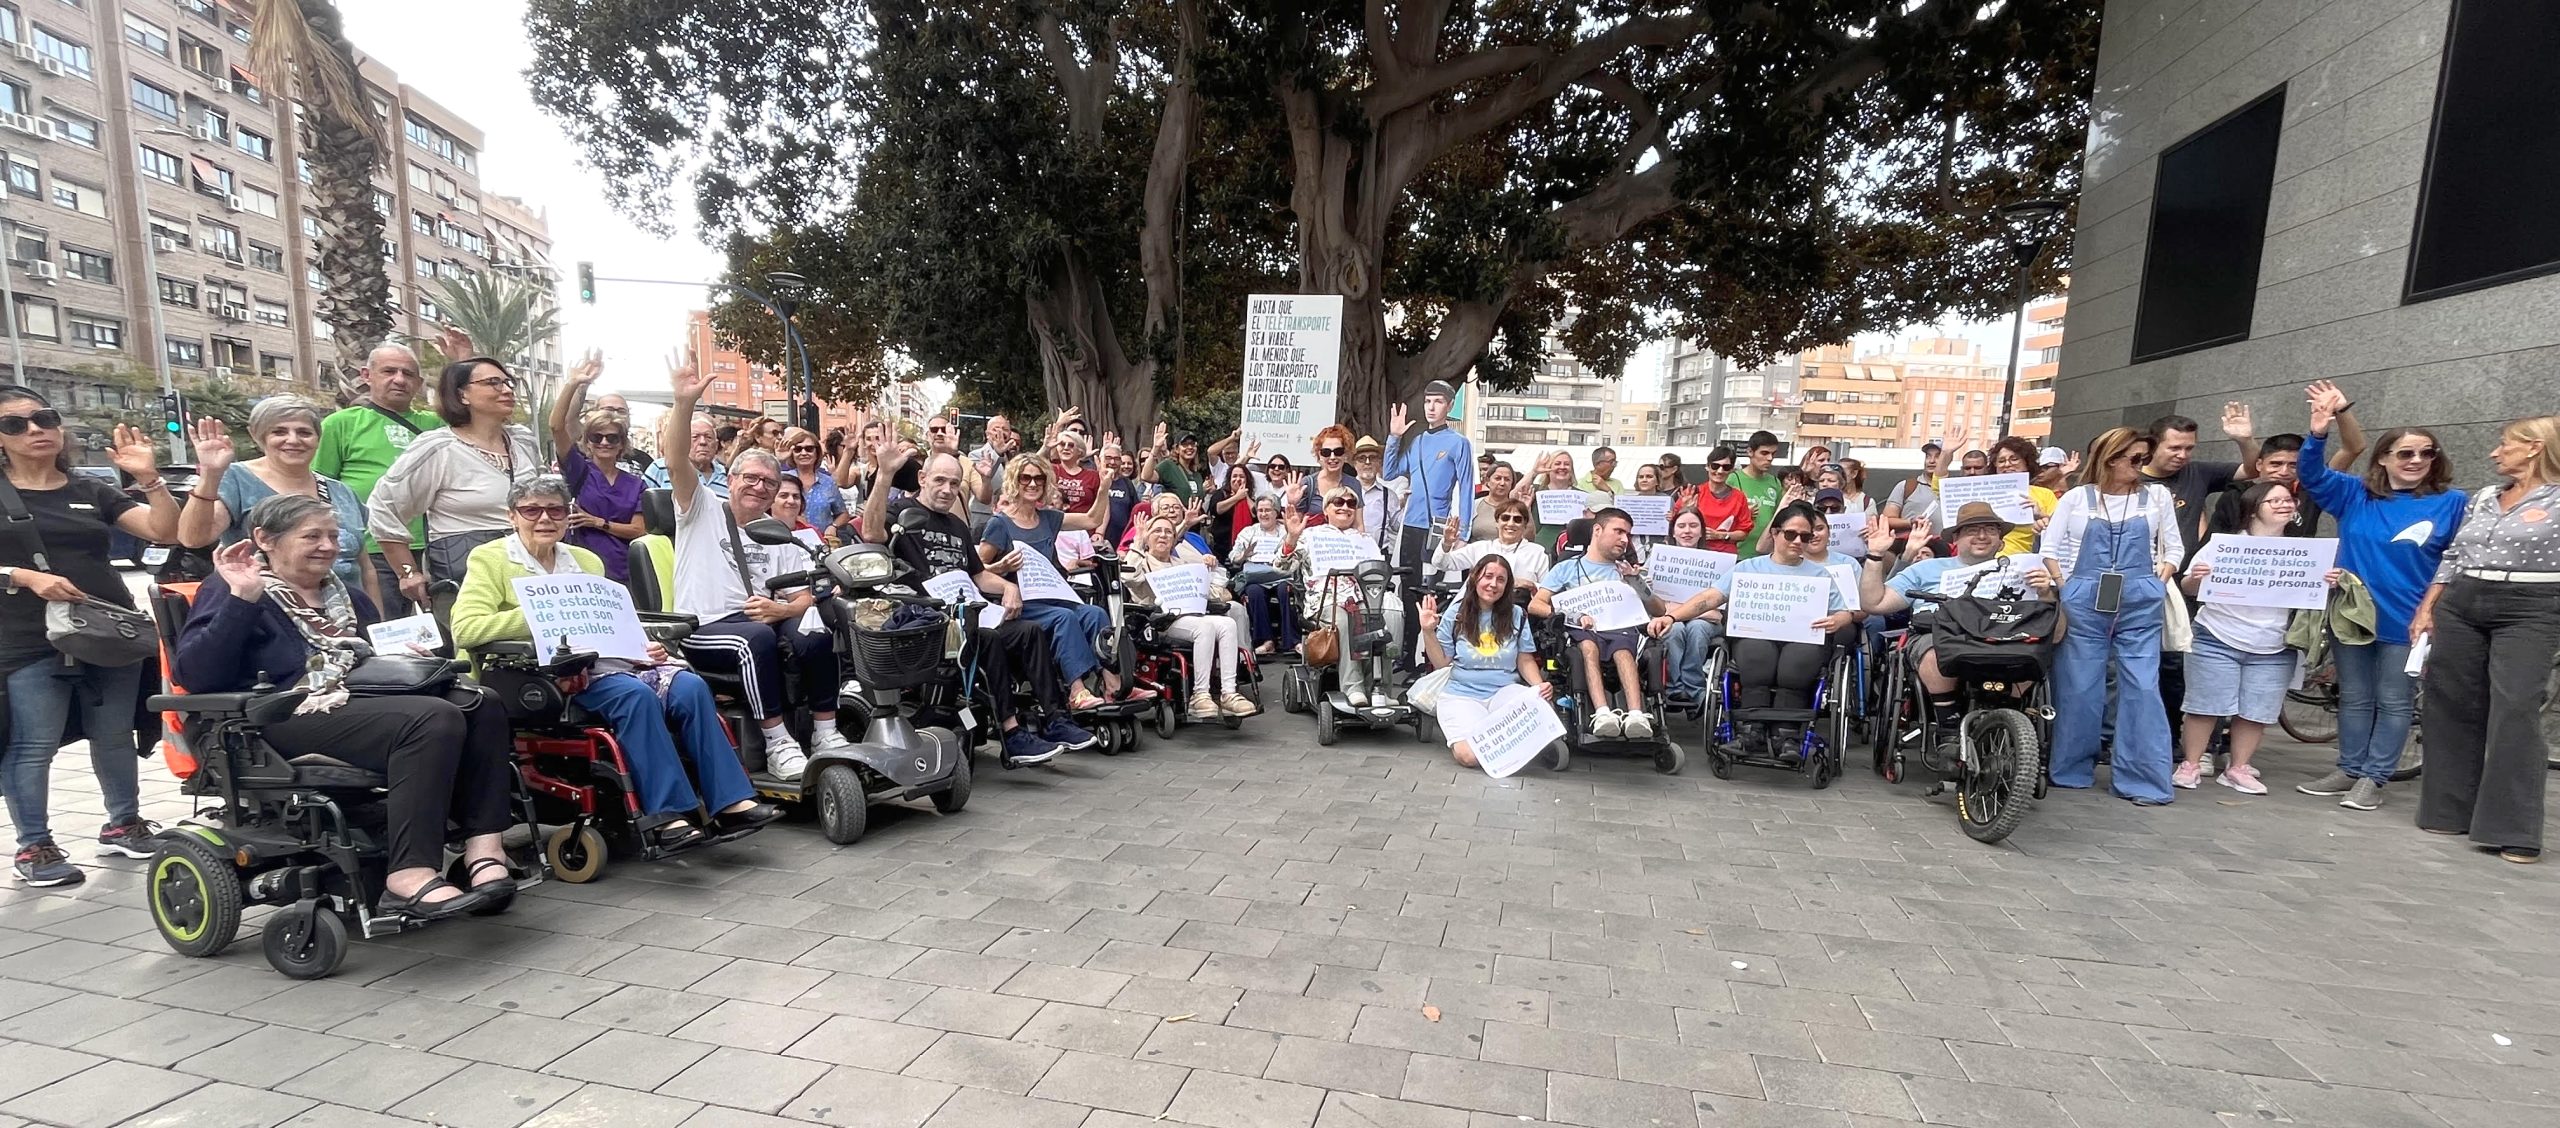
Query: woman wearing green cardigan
point(639, 701)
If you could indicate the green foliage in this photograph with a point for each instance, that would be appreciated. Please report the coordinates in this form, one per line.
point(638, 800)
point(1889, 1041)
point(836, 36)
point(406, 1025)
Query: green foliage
point(507, 316)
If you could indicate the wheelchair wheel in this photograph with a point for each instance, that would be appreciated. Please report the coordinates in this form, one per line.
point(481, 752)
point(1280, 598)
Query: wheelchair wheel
point(1993, 800)
point(576, 853)
point(304, 942)
point(844, 809)
point(195, 895)
point(1167, 722)
point(1560, 755)
point(1128, 733)
point(1669, 758)
point(1892, 717)
point(950, 802)
point(1712, 698)
point(1328, 729)
point(1719, 765)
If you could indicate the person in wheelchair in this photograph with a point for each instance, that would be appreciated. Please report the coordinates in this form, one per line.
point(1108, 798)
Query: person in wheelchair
point(1976, 537)
point(1779, 675)
point(276, 615)
point(639, 701)
point(1687, 640)
point(721, 581)
point(1014, 657)
point(1212, 635)
point(1326, 604)
point(1510, 540)
point(1027, 525)
point(1610, 558)
point(1486, 642)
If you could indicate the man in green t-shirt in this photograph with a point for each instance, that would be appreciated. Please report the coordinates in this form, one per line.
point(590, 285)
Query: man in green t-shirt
point(359, 443)
point(1761, 485)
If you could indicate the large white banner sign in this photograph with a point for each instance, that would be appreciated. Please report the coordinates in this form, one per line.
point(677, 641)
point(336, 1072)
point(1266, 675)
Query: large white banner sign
point(1292, 369)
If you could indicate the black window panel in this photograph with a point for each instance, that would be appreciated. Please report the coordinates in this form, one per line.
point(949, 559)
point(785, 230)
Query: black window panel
point(2208, 229)
point(2484, 214)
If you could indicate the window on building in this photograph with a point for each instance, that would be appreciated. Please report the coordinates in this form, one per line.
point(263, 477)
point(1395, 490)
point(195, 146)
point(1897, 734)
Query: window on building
point(275, 366)
point(178, 292)
point(310, 226)
point(468, 203)
point(265, 257)
point(2208, 230)
point(39, 318)
point(255, 144)
point(25, 178)
point(258, 201)
point(420, 179)
point(273, 313)
point(311, 277)
point(2490, 141)
point(220, 239)
point(239, 33)
point(185, 352)
point(382, 202)
point(16, 98)
point(155, 101)
point(94, 331)
point(71, 53)
point(201, 57)
point(203, 10)
point(93, 266)
point(82, 198)
point(9, 22)
point(157, 165)
point(147, 35)
point(428, 309)
point(72, 127)
point(209, 118)
point(422, 223)
point(236, 355)
point(302, 169)
point(29, 244)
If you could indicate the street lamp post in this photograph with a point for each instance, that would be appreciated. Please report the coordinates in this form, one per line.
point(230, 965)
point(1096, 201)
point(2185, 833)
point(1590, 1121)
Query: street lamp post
point(2027, 225)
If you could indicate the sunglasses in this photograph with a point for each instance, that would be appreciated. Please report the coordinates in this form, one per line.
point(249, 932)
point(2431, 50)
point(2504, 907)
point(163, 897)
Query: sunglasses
point(798, 447)
point(1035, 479)
point(2426, 455)
point(1511, 520)
point(44, 418)
point(1794, 536)
point(543, 512)
point(614, 439)
point(1343, 503)
point(1720, 468)
point(1330, 452)
point(2136, 459)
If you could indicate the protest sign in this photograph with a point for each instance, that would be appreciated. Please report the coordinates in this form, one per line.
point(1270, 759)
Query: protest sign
point(2268, 571)
point(1292, 366)
point(1650, 512)
point(1555, 507)
point(1612, 605)
point(1266, 550)
point(400, 636)
point(1677, 573)
point(1517, 727)
point(1182, 589)
point(954, 586)
point(1848, 530)
point(1332, 550)
point(1040, 579)
point(1777, 608)
point(1845, 577)
point(2006, 493)
point(591, 612)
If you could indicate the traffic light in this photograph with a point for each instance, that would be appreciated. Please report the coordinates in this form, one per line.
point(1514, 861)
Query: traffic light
point(587, 282)
point(172, 413)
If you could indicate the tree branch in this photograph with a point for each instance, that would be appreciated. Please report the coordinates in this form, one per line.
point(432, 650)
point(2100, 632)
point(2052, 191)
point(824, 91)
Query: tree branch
point(1085, 86)
point(1649, 125)
point(1544, 81)
point(1382, 44)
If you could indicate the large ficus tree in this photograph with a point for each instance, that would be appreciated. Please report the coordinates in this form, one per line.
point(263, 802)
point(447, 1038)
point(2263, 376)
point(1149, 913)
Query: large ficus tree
point(1070, 188)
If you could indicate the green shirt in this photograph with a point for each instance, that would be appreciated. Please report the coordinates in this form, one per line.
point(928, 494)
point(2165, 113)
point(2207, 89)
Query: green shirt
point(1763, 490)
point(1176, 480)
point(357, 444)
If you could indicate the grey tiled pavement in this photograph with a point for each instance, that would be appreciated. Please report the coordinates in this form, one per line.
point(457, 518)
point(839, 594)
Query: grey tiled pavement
point(1248, 931)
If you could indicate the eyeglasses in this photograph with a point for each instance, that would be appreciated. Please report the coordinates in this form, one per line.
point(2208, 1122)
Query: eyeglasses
point(1795, 536)
point(42, 418)
point(2426, 455)
point(1330, 452)
point(759, 481)
point(798, 447)
point(492, 382)
point(614, 439)
point(1035, 479)
point(1343, 503)
point(2136, 459)
point(1512, 520)
point(543, 512)
point(1719, 468)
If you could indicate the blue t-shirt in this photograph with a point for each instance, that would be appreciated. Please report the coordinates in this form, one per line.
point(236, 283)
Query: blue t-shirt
point(1005, 536)
point(242, 488)
point(1769, 566)
point(1490, 662)
point(1576, 572)
point(2391, 543)
point(1925, 576)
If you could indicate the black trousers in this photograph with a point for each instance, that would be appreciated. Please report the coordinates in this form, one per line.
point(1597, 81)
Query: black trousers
point(1778, 675)
point(445, 763)
point(752, 652)
point(2485, 682)
point(1020, 672)
point(1413, 551)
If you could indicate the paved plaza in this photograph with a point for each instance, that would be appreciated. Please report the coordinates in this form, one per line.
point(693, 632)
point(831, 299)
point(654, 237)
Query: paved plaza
point(1249, 931)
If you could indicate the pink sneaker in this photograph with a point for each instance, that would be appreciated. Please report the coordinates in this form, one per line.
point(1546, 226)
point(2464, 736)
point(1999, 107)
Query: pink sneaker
point(2187, 774)
point(2243, 779)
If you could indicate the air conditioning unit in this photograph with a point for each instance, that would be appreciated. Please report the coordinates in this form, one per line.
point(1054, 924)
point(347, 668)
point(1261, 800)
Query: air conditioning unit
point(235, 313)
point(205, 133)
point(221, 372)
point(48, 131)
point(43, 271)
point(52, 66)
point(163, 243)
point(231, 202)
point(23, 123)
point(27, 53)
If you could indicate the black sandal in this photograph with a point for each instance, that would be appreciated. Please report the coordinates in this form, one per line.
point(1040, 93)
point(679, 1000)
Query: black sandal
point(676, 834)
point(756, 815)
point(504, 886)
point(415, 908)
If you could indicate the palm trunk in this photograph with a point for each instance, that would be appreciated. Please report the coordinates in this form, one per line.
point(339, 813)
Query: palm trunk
point(344, 146)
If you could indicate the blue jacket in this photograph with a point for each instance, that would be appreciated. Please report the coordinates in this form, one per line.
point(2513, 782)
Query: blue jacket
point(2391, 543)
point(229, 645)
point(1437, 466)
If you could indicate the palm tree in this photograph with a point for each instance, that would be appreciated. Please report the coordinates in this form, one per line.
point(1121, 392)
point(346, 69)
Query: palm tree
point(306, 40)
point(506, 316)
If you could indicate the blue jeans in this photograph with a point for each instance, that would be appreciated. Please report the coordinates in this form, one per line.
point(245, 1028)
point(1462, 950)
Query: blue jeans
point(2129, 644)
point(657, 757)
point(1072, 629)
point(41, 697)
point(2374, 692)
point(1686, 648)
point(1267, 607)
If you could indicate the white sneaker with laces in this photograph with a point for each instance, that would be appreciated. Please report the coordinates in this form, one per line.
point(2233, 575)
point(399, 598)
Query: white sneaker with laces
point(1606, 722)
point(783, 756)
point(1637, 725)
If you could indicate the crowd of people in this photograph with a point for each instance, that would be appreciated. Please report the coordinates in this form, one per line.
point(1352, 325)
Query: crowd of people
point(342, 519)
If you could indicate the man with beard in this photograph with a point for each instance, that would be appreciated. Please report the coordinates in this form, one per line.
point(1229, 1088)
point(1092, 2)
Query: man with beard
point(358, 443)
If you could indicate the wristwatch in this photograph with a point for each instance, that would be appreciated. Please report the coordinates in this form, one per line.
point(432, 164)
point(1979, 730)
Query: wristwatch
point(9, 579)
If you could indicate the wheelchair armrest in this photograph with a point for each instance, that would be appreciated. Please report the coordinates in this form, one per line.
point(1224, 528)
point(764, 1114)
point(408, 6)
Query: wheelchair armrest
point(260, 707)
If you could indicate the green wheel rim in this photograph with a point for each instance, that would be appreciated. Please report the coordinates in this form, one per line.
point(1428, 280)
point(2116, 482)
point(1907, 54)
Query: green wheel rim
point(165, 882)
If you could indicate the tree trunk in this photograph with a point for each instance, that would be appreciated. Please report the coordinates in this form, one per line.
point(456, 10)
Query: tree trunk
point(356, 305)
point(1081, 362)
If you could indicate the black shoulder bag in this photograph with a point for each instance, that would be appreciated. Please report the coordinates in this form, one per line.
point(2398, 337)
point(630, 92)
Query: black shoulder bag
point(92, 630)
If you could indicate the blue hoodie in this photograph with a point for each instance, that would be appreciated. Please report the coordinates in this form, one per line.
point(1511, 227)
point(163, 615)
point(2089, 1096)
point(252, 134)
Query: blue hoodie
point(2391, 543)
point(1437, 464)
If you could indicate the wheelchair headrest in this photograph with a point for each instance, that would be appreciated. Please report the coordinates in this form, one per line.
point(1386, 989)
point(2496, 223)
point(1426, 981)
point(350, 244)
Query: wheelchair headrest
point(658, 511)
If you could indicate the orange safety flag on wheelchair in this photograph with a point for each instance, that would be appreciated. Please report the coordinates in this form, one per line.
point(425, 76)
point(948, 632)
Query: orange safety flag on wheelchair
point(167, 601)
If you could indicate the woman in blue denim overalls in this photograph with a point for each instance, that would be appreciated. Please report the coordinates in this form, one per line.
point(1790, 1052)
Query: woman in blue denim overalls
point(2113, 524)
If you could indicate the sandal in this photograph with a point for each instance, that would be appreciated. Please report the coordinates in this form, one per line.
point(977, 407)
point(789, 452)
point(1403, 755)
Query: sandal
point(676, 835)
point(504, 885)
point(411, 906)
point(754, 816)
point(1084, 702)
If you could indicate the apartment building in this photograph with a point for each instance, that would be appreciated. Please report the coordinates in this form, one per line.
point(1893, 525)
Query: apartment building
point(2039, 361)
point(1565, 405)
point(743, 389)
point(438, 221)
point(155, 214)
point(1692, 395)
point(1768, 398)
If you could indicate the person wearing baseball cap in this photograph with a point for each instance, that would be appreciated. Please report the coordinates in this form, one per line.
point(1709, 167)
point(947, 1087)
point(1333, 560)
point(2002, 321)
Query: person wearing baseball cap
point(1976, 538)
point(1438, 466)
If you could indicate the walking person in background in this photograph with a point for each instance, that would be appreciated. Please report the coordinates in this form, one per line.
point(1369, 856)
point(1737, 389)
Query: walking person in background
point(61, 557)
point(2115, 537)
point(287, 431)
point(2393, 528)
point(360, 442)
point(604, 514)
point(2493, 613)
point(457, 478)
point(2239, 664)
point(1438, 466)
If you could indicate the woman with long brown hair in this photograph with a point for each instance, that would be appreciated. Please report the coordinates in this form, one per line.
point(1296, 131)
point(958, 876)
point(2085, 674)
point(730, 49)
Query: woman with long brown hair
point(1487, 641)
point(2115, 537)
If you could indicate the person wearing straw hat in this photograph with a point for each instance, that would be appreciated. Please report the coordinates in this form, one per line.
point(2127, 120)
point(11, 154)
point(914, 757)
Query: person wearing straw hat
point(1976, 536)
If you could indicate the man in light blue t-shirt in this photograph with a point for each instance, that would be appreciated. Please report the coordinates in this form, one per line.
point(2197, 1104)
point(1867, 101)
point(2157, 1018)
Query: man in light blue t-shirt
point(1976, 537)
point(1609, 560)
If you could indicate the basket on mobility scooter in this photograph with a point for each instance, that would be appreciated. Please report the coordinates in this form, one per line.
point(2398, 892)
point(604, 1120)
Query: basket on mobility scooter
point(1309, 686)
point(1992, 753)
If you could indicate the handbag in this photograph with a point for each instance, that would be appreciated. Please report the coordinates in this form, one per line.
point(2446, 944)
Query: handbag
point(1425, 692)
point(91, 631)
point(1995, 637)
point(402, 675)
point(1321, 647)
point(2177, 626)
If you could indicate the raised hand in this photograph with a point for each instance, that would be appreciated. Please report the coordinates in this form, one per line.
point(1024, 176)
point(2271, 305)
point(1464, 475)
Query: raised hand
point(1396, 419)
point(1429, 613)
point(1293, 496)
point(1159, 439)
point(454, 342)
point(685, 377)
point(135, 454)
point(2235, 421)
point(237, 564)
point(1879, 538)
point(212, 443)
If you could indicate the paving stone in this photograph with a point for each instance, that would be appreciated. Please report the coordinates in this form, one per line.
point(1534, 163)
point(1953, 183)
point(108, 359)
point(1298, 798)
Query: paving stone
point(1362, 1110)
point(26, 1067)
point(546, 993)
point(486, 1096)
point(603, 1106)
point(863, 996)
point(222, 1105)
point(372, 1077)
point(76, 1018)
point(1789, 1081)
point(650, 1010)
point(972, 1012)
point(1483, 1085)
point(750, 1026)
point(1539, 1047)
point(1067, 1026)
point(864, 1043)
point(1403, 1029)
point(103, 1094)
point(1604, 1103)
point(865, 1099)
point(1100, 1081)
point(1202, 1045)
point(1336, 1065)
point(976, 1108)
point(1224, 1100)
point(522, 1040)
point(1686, 1067)
point(988, 1063)
point(743, 1079)
point(629, 1059)
point(2043, 1070)
point(1893, 1053)
point(1283, 1013)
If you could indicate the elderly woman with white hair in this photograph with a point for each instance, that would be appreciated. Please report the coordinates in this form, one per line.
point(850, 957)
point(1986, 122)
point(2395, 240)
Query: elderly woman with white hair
point(286, 429)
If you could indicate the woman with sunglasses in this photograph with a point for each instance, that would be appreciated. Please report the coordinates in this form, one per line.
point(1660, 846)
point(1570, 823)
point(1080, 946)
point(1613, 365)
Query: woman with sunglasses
point(822, 502)
point(1333, 471)
point(287, 431)
point(606, 516)
point(641, 699)
point(457, 477)
point(72, 518)
point(1722, 506)
point(1212, 635)
point(2115, 537)
point(1510, 541)
point(1771, 674)
point(1499, 483)
point(1025, 525)
point(2394, 526)
point(1326, 604)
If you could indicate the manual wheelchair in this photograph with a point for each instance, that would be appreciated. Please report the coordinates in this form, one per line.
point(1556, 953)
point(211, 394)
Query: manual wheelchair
point(1999, 737)
point(1809, 741)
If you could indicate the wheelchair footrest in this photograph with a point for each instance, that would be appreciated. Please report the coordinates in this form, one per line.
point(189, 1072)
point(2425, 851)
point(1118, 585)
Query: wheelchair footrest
point(1775, 716)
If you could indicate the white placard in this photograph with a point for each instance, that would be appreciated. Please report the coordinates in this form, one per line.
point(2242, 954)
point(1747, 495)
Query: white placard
point(2268, 571)
point(1040, 579)
point(1848, 531)
point(1182, 589)
point(954, 586)
point(397, 636)
point(1556, 507)
point(2006, 493)
point(1650, 512)
point(1612, 605)
point(1517, 727)
point(991, 616)
point(1331, 550)
point(592, 612)
point(1266, 550)
point(1777, 608)
point(2008, 573)
point(1292, 364)
point(1845, 578)
point(1677, 573)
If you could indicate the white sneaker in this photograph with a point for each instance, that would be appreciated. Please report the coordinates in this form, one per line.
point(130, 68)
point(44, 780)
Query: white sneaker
point(783, 757)
point(1605, 722)
point(1637, 726)
point(830, 741)
point(1358, 699)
